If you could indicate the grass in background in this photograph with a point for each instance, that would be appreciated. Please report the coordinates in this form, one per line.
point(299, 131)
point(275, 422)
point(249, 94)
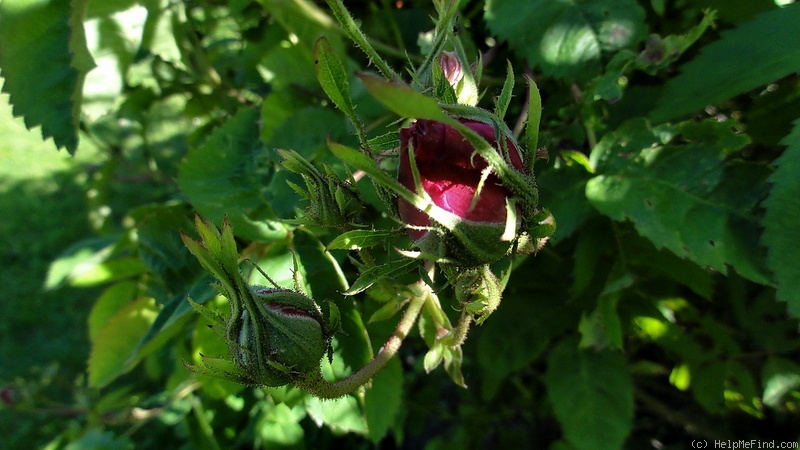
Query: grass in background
point(43, 335)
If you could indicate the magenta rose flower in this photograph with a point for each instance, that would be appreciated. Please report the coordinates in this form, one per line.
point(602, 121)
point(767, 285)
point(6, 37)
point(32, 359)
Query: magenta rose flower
point(450, 171)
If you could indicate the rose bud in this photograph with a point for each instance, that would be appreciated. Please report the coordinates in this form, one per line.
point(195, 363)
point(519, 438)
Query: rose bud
point(274, 335)
point(451, 67)
point(450, 171)
point(281, 334)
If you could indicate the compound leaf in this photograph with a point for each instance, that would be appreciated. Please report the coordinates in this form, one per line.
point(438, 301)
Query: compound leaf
point(565, 38)
point(758, 52)
point(781, 232)
point(44, 59)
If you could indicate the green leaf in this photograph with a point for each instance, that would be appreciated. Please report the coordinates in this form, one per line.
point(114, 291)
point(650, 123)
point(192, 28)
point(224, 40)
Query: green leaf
point(591, 394)
point(743, 51)
point(306, 131)
point(518, 320)
point(565, 38)
point(602, 328)
point(279, 425)
point(305, 20)
point(781, 231)
point(677, 196)
point(333, 79)
point(736, 11)
point(178, 308)
point(220, 178)
point(383, 400)
point(532, 123)
point(719, 385)
point(79, 257)
point(563, 192)
point(369, 276)
point(210, 352)
point(159, 245)
point(354, 342)
point(502, 102)
point(92, 262)
point(340, 415)
point(116, 342)
point(386, 141)
point(402, 100)
point(113, 299)
point(95, 439)
point(44, 59)
point(198, 425)
point(358, 239)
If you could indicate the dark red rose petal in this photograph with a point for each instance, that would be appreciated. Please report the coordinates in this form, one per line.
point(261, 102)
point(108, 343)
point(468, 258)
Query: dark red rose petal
point(450, 171)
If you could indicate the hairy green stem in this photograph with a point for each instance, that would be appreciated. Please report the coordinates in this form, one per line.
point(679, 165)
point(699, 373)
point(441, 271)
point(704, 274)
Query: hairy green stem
point(442, 32)
point(317, 386)
point(462, 328)
point(353, 31)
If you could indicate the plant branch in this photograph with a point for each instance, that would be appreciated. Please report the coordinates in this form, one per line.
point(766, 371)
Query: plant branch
point(316, 385)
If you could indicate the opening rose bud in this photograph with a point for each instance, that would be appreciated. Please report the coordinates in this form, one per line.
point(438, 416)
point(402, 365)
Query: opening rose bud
point(450, 171)
point(451, 67)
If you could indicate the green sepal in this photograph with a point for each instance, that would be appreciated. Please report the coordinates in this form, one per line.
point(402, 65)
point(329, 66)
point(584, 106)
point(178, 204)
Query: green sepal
point(502, 102)
point(332, 202)
point(478, 290)
point(223, 369)
point(540, 228)
point(532, 124)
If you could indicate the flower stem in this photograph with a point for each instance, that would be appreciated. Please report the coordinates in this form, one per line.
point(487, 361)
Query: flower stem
point(317, 386)
point(461, 329)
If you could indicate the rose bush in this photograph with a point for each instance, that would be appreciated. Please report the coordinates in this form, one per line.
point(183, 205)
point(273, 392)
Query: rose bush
point(450, 173)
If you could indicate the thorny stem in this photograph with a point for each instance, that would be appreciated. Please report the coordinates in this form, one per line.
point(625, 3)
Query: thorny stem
point(317, 386)
point(353, 31)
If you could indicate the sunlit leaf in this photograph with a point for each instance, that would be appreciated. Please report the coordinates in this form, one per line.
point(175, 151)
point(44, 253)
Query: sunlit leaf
point(358, 239)
point(220, 179)
point(117, 339)
point(369, 276)
point(707, 78)
point(333, 78)
point(44, 59)
point(341, 415)
point(677, 195)
point(566, 39)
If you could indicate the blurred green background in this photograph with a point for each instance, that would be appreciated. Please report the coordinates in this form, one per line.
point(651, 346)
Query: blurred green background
point(43, 337)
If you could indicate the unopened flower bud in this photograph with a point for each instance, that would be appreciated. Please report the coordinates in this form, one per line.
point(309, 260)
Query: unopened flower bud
point(332, 202)
point(281, 334)
point(274, 335)
point(451, 67)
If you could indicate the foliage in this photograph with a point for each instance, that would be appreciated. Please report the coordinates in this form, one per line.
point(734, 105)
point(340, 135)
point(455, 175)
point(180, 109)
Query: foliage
point(664, 309)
